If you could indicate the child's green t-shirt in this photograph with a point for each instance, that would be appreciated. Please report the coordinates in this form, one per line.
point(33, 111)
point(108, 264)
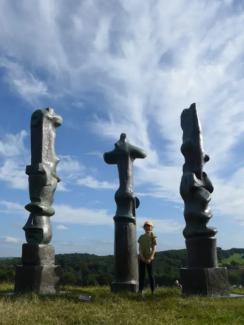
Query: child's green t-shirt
point(146, 243)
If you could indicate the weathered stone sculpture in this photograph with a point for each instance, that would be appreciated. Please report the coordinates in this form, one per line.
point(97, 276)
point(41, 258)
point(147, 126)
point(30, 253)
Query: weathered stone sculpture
point(126, 265)
point(38, 273)
point(202, 275)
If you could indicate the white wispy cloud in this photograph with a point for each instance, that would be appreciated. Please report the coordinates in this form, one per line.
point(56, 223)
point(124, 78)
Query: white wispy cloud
point(162, 225)
point(147, 72)
point(61, 227)
point(10, 240)
point(69, 166)
point(67, 214)
point(91, 182)
point(12, 145)
point(68, 169)
point(71, 215)
point(12, 207)
point(13, 159)
point(12, 173)
point(73, 172)
point(25, 83)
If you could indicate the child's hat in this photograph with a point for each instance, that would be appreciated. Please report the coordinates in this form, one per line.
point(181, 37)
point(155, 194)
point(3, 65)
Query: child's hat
point(149, 223)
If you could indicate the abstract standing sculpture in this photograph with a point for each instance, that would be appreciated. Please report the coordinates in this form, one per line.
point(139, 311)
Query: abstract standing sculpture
point(125, 250)
point(38, 273)
point(202, 276)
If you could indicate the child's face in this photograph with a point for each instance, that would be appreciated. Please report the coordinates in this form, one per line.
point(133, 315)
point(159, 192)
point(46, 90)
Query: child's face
point(148, 228)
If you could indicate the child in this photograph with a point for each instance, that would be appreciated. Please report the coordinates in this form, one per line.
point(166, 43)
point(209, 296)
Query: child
point(147, 248)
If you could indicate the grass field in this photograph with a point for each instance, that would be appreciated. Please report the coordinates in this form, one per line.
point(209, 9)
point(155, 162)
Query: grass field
point(166, 307)
point(236, 258)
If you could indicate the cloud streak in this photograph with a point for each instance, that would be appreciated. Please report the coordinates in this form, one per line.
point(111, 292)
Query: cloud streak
point(11, 240)
point(145, 62)
point(13, 156)
point(93, 183)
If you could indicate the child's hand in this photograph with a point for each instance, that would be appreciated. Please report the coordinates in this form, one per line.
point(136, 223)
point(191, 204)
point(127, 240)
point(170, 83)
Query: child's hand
point(143, 259)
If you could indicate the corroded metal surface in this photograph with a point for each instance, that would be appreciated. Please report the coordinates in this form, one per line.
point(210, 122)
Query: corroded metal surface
point(42, 175)
point(125, 250)
point(195, 187)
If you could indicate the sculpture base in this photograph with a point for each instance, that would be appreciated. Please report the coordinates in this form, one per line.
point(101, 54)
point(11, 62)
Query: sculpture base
point(204, 281)
point(125, 255)
point(201, 252)
point(38, 273)
point(36, 279)
point(130, 286)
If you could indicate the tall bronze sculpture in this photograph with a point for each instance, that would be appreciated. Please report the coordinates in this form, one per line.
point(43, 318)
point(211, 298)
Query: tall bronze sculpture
point(38, 272)
point(202, 276)
point(125, 250)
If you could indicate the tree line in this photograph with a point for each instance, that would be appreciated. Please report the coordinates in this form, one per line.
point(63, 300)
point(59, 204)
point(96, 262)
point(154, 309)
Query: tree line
point(89, 269)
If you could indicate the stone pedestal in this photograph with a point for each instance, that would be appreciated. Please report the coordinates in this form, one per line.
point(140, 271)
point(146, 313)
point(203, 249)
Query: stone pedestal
point(125, 252)
point(203, 276)
point(201, 252)
point(38, 272)
point(205, 281)
point(131, 286)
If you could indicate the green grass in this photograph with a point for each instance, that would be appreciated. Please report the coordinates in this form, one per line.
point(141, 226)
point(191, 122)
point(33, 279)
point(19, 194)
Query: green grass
point(236, 258)
point(166, 307)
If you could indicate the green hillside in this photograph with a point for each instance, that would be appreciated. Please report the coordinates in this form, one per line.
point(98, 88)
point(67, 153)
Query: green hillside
point(236, 259)
point(88, 269)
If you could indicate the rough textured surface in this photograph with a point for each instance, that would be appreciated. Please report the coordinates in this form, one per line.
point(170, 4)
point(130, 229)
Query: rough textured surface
point(205, 281)
point(40, 279)
point(195, 189)
point(38, 272)
point(42, 176)
point(126, 265)
point(33, 254)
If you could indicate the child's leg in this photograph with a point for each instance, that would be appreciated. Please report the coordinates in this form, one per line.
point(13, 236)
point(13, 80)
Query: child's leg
point(150, 275)
point(141, 275)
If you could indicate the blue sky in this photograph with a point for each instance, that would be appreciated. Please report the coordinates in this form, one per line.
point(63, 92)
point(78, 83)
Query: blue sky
point(117, 66)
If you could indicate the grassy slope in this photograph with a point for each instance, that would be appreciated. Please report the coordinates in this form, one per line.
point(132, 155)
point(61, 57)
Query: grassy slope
point(236, 257)
point(167, 307)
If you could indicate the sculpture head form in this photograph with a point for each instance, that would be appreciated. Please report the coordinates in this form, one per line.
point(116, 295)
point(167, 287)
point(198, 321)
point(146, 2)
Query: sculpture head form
point(192, 146)
point(122, 137)
point(123, 156)
point(122, 150)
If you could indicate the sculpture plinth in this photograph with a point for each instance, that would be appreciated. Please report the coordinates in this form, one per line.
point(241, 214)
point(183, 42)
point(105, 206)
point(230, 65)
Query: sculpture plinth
point(125, 250)
point(38, 272)
point(202, 275)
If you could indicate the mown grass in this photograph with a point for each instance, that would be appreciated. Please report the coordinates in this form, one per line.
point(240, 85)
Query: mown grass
point(166, 307)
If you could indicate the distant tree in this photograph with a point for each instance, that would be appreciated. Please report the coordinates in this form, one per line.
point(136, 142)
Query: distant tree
point(89, 269)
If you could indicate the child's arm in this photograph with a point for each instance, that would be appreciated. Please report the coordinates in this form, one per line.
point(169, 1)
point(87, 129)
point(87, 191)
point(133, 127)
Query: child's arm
point(153, 253)
point(154, 243)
